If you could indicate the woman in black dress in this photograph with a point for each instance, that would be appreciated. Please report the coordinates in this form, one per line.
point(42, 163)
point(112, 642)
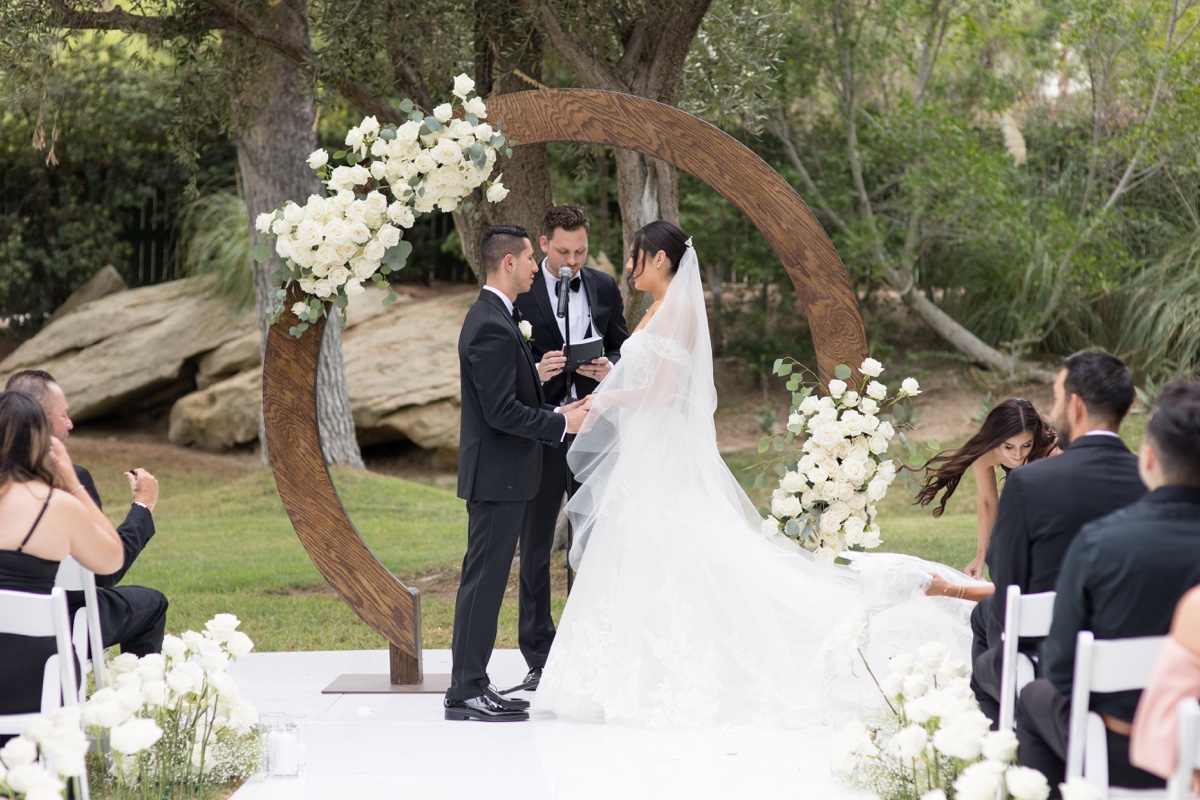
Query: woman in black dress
point(45, 516)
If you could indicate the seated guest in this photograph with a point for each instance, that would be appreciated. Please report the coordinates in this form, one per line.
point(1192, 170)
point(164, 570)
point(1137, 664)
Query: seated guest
point(1121, 577)
point(133, 617)
point(1154, 743)
point(1046, 503)
point(45, 516)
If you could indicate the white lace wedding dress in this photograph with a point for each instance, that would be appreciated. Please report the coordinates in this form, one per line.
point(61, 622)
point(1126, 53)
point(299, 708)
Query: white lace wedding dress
point(683, 614)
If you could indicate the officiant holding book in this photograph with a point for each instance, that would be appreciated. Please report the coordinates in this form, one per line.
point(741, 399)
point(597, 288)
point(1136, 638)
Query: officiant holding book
point(594, 317)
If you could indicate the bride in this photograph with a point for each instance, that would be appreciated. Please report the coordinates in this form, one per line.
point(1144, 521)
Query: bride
point(684, 614)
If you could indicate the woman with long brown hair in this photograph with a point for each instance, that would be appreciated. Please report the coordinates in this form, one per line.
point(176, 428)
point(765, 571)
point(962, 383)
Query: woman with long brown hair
point(45, 516)
point(1012, 434)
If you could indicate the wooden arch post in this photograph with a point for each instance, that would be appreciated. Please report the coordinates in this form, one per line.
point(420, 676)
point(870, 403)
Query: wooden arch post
point(551, 115)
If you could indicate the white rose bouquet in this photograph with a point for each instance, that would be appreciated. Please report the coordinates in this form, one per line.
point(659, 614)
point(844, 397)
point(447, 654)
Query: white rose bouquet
point(389, 175)
point(176, 719)
point(53, 739)
point(933, 742)
point(828, 492)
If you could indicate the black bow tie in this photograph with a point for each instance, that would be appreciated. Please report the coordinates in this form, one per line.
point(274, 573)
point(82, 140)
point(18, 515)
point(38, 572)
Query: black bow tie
point(575, 282)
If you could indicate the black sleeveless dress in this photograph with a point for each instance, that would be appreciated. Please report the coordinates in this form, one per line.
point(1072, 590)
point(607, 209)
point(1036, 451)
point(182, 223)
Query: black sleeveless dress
point(23, 658)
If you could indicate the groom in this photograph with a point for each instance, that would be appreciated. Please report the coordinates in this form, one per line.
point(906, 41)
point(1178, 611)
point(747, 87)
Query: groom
point(504, 421)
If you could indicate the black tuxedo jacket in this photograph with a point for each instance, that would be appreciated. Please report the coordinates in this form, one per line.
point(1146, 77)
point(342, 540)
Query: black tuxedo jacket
point(1043, 506)
point(504, 414)
point(608, 320)
point(136, 531)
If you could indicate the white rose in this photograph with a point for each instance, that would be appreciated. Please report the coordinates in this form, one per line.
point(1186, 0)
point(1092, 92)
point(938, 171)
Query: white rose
point(892, 685)
point(910, 741)
point(447, 152)
point(795, 423)
point(354, 139)
point(318, 158)
point(376, 202)
point(497, 192)
point(337, 232)
point(316, 208)
point(353, 288)
point(1000, 746)
point(850, 399)
point(825, 556)
point(460, 129)
point(825, 434)
point(389, 236)
point(339, 275)
point(792, 482)
point(915, 685)
point(358, 232)
point(876, 489)
point(477, 107)
point(977, 782)
point(786, 506)
point(374, 251)
point(407, 133)
point(830, 524)
point(810, 405)
point(134, 736)
point(855, 739)
point(837, 388)
point(885, 430)
point(962, 736)
point(887, 470)
point(424, 162)
point(869, 406)
point(401, 214)
point(379, 150)
point(263, 221)
point(871, 538)
point(34, 782)
point(879, 445)
point(1025, 783)
point(293, 213)
point(484, 133)
point(526, 328)
point(852, 422)
point(463, 86)
point(910, 387)
point(243, 717)
point(19, 752)
point(849, 635)
point(154, 692)
point(876, 391)
point(443, 113)
point(769, 526)
point(931, 655)
point(871, 368)
point(185, 677)
point(369, 127)
point(854, 528)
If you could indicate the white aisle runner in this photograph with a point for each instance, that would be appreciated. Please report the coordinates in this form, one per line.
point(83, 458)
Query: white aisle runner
point(398, 746)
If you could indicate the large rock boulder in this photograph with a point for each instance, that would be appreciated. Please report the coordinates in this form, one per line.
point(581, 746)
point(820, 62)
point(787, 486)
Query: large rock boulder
point(219, 417)
point(131, 350)
point(105, 282)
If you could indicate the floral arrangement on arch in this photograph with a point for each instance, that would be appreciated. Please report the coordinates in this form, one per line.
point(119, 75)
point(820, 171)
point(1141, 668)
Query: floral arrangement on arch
point(827, 494)
point(389, 175)
point(932, 742)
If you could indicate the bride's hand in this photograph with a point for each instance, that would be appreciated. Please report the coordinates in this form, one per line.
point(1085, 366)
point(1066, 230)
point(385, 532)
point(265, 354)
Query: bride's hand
point(940, 587)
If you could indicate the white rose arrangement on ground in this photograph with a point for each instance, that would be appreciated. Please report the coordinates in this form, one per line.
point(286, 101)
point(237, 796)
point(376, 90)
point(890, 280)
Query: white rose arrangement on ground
point(827, 494)
point(391, 174)
point(932, 742)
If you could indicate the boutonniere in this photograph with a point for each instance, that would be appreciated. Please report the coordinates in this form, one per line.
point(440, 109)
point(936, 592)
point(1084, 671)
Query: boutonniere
point(526, 330)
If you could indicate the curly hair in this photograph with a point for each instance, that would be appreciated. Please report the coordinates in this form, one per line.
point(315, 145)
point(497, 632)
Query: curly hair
point(567, 217)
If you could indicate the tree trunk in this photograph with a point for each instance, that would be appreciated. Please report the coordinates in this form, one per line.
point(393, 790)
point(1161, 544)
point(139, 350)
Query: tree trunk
point(502, 47)
point(272, 145)
point(648, 190)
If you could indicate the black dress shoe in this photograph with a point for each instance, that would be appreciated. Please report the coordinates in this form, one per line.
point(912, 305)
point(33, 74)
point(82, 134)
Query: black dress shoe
point(482, 708)
point(530, 684)
point(514, 703)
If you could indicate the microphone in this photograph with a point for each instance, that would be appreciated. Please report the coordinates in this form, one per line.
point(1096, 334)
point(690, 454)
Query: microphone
point(564, 286)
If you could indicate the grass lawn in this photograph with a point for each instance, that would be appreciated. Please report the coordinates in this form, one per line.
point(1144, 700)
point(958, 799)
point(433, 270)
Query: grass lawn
point(224, 543)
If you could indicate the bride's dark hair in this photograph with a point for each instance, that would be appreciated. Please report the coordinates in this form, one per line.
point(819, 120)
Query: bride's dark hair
point(659, 236)
point(1008, 419)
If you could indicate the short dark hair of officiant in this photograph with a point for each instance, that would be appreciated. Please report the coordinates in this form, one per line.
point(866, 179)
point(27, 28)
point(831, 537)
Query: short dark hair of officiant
point(500, 241)
point(1103, 383)
point(567, 217)
point(1174, 432)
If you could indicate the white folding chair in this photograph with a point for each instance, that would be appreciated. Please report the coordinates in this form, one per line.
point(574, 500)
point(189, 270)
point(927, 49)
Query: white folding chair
point(1105, 665)
point(1024, 615)
point(29, 614)
point(1179, 787)
point(89, 644)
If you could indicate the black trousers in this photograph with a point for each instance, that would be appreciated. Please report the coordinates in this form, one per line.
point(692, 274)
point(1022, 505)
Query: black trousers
point(535, 623)
point(986, 660)
point(134, 617)
point(1043, 719)
point(492, 533)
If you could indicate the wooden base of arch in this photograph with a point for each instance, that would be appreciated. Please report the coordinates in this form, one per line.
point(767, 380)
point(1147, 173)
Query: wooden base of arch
point(552, 115)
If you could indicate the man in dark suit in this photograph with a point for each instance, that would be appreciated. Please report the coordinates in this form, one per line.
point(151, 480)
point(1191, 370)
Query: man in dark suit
point(133, 617)
point(594, 309)
point(1122, 577)
point(504, 421)
point(1044, 504)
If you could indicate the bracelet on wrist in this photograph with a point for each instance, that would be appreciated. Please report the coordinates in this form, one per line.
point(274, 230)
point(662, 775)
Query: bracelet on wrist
point(77, 488)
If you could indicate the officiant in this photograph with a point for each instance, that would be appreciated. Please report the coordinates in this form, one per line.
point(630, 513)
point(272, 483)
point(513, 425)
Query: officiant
point(593, 311)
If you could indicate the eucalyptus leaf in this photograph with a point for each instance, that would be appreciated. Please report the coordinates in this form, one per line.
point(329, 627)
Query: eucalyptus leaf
point(406, 106)
point(778, 444)
point(761, 481)
point(433, 125)
point(387, 134)
point(764, 444)
point(261, 252)
point(841, 372)
point(792, 529)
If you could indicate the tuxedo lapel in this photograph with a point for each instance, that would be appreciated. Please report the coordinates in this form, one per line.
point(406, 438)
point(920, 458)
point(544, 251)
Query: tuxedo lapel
point(541, 297)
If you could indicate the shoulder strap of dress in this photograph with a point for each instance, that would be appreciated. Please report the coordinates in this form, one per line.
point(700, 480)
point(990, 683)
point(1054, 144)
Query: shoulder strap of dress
point(45, 505)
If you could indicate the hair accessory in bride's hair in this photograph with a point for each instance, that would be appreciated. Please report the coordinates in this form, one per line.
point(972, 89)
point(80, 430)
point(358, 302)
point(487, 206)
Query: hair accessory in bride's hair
point(688, 243)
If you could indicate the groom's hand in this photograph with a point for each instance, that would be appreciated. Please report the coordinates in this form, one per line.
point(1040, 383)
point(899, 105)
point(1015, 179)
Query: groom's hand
point(552, 364)
point(575, 413)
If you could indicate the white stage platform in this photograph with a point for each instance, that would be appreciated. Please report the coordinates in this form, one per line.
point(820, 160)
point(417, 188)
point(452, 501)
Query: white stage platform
point(399, 746)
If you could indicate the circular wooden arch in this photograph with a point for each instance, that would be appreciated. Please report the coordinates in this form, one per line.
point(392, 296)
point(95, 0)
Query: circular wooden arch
point(551, 115)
